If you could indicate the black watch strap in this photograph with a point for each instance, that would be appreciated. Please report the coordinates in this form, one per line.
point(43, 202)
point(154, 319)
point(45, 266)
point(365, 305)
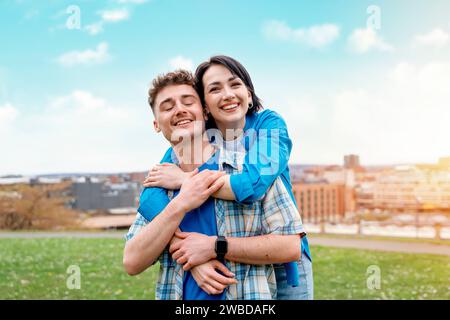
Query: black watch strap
point(221, 247)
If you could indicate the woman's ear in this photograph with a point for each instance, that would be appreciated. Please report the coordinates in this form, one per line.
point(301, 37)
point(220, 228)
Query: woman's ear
point(156, 126)
point(206, 113)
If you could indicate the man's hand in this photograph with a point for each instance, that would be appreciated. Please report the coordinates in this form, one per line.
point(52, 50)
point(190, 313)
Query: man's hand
point(166, 175)
point(193, 249)
point(198, 187)
point(211, 281)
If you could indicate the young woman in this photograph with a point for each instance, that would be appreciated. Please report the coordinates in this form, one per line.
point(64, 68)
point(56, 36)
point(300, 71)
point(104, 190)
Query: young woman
point(232, 106)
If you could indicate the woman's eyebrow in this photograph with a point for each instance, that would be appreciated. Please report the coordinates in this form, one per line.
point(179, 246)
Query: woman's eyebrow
point(213, 83)
point(218, 82)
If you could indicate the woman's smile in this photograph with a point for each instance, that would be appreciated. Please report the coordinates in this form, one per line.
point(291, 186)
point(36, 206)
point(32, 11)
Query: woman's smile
point(230, 107)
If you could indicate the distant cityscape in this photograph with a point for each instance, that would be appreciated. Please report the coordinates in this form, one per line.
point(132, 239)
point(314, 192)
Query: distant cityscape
point(331, 194)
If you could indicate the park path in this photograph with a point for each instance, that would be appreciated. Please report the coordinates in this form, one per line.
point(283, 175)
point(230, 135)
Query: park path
point(381, 245)
point(70, 234)
point(365, 244)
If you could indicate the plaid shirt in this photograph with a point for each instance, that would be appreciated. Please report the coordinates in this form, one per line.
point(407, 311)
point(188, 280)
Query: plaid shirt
point(274, 213)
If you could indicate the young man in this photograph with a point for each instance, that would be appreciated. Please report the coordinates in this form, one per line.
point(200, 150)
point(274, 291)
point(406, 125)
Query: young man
point(256, 235)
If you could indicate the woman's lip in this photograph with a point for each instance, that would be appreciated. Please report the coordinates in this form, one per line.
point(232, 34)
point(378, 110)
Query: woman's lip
point(229, 104)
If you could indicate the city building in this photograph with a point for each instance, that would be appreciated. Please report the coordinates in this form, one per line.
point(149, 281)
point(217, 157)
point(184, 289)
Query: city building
point(320, 201)
point(351, 161)
point(407, 188)
point(93, 194)
point(326, 193)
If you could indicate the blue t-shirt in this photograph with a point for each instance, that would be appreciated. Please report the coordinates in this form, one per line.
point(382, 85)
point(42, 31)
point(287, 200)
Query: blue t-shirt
point(201, 220)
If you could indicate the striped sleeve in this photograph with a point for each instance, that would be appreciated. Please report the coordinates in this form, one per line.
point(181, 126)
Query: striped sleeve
point(137, 225)
point(280, 214)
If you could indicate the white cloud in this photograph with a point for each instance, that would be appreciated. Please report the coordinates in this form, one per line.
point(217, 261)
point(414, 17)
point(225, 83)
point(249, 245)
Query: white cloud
point(107, 16)
point(436, 38)
point(8, 113)
point(115, 15)
point(86, 57)
point(180, 62)
point(316, 36)
point(94, 28)
point(364, 40)
point(403, 119)
point(80, 132)
point(399, 114)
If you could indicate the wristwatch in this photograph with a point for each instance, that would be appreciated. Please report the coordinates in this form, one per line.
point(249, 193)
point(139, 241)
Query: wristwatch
point(221, 247)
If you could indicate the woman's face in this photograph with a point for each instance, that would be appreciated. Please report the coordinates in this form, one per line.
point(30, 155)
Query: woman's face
point(226, 98)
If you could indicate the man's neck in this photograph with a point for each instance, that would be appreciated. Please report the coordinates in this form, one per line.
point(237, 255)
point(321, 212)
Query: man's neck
point(193, 154)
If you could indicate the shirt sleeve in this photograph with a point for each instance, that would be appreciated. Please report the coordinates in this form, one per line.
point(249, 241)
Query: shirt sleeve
point(280, 214)
point(137, 225)
point(153, 200)
point(267, 157)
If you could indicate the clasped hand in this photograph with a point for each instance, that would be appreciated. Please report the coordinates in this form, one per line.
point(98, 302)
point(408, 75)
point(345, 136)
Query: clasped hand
point(192, 249)
point(196, 252)
point(165, 175)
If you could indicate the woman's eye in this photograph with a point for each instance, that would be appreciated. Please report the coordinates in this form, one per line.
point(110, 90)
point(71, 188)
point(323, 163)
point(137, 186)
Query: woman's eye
point(213, 89)
point(235, 85)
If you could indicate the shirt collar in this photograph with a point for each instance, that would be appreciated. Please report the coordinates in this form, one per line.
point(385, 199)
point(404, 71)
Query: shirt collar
point(231, 158)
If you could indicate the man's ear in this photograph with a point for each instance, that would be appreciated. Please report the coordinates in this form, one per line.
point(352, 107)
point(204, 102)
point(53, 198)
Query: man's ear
point(156, 126)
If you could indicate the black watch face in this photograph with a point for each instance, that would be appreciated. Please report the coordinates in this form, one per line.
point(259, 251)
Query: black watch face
point(222, 246)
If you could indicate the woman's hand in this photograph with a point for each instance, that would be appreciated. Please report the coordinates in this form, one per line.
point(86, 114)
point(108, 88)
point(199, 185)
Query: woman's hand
point(193, 249)
point(211, 281)
point(165, 175)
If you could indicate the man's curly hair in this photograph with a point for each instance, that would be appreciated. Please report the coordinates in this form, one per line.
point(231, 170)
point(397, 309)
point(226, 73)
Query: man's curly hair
point(176, 77)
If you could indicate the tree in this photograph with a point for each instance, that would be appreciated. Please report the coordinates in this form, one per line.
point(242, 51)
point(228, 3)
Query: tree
point(36, 207)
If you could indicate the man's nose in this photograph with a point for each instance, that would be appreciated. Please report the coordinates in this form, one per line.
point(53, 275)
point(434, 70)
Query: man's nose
point(180, 108)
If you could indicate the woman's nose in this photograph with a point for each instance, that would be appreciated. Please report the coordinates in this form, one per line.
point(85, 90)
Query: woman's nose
point(228, 93)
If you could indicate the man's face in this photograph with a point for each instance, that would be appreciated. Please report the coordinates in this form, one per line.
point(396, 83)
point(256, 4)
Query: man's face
point(178, 113)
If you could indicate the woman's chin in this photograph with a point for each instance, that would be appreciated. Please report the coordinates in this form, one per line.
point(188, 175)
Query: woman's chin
point(234, 117)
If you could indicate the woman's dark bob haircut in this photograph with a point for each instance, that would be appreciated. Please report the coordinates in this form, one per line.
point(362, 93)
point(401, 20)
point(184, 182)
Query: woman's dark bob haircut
point(236, 68)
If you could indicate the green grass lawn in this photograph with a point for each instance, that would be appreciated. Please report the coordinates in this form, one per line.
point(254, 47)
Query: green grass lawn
point(37, 269)
point(445, 242)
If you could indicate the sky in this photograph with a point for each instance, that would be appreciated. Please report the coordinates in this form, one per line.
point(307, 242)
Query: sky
point(349, 77)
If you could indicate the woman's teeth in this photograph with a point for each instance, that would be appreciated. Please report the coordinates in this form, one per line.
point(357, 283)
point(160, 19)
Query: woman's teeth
point(229, 107)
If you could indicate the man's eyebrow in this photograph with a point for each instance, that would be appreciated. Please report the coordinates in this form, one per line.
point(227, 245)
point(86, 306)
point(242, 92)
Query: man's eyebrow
point(171, 100)
point(166, 100)
point(187, 96)
point(218, 82)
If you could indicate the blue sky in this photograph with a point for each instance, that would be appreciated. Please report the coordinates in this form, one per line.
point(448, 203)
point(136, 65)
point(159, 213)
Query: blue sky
point(74, 100)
